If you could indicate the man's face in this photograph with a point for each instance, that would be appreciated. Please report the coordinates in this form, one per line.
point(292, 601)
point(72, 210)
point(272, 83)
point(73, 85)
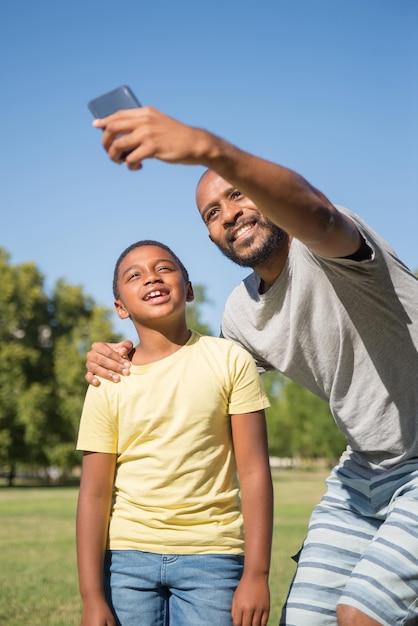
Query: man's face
point(235, 225)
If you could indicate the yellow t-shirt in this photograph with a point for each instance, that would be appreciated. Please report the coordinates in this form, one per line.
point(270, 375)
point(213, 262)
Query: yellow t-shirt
point(176, 488)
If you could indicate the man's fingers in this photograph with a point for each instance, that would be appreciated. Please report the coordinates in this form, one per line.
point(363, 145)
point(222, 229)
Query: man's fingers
point(92, 379)
point(108, 361)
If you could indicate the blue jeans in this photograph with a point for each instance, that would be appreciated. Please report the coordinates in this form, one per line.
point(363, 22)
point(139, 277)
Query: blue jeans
point(147, 589)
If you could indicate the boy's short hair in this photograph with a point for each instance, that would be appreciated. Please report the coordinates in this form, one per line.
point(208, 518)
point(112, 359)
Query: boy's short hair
point(140, 244)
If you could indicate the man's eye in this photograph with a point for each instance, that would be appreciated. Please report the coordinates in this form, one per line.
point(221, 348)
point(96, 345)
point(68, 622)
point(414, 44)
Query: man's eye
point(236, 194)
point(210, 215)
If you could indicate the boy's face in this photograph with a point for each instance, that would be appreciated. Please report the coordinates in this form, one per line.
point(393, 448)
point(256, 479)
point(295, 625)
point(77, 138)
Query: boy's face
point(151, 285)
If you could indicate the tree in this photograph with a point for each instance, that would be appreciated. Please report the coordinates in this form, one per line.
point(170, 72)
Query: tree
point(279, 425)
point(194, 311)
point(299, 423)
point(77, 322)
point(43, 340)
point(24, 310)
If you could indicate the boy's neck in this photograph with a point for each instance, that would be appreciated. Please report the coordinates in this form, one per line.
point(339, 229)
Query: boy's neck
point(155, 345)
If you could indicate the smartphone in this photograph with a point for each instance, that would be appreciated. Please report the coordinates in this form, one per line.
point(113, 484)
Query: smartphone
point(108, 103)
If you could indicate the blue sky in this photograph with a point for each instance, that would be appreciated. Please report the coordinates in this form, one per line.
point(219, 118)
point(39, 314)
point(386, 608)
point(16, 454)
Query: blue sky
point(326, 87)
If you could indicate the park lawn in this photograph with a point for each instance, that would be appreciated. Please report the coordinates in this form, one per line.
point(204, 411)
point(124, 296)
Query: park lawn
point(38, 574)
point(38, 577)
point(295, 494)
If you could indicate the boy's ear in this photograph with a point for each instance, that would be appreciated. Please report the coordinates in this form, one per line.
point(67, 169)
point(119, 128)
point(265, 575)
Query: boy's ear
point(189, 292)
point(120, 310)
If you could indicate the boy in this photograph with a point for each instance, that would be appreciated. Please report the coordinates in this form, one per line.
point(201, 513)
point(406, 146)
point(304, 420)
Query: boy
point(160, 528)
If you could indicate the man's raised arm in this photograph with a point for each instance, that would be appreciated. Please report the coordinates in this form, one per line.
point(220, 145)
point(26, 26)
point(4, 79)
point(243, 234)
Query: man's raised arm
point(281, 194)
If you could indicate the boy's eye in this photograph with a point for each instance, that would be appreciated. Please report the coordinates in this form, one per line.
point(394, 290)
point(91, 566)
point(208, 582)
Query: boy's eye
point(133, 275)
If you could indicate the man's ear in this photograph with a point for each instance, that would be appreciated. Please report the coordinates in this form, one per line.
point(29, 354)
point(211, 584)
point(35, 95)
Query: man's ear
point(120, 310)
point(189, 292)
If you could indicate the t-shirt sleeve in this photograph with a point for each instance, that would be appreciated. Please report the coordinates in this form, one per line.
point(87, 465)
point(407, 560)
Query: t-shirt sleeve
point(98, 431)
point(247, 390)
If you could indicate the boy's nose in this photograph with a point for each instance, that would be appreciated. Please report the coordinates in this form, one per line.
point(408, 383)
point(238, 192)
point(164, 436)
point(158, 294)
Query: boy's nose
point(152, 278)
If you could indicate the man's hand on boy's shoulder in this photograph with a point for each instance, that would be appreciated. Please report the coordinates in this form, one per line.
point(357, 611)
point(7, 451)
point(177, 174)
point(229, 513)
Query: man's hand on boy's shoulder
point(108, 360)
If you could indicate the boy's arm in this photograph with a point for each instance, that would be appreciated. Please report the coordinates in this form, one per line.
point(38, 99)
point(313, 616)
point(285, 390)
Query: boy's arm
point(93, 510)
point(251, 603)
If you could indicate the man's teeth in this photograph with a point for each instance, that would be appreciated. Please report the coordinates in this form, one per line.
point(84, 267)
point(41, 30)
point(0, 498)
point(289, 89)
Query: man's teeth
point(241, 231)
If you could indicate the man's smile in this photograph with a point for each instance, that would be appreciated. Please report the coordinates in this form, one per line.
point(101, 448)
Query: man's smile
point(240, 231)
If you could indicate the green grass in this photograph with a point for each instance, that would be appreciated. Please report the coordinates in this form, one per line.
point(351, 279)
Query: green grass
point(295, 494)
point(38, 575)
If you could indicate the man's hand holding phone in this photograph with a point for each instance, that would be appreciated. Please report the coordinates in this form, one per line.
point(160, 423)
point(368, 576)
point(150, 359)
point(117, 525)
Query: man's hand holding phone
point(109, 103)
point(132, 133)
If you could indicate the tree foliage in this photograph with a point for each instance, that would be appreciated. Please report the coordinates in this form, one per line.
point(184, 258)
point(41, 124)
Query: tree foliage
point(43, 341)
point(194, 311)
point(299, 423)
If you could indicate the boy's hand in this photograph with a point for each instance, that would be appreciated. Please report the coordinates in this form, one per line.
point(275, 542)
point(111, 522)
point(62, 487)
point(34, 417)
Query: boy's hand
point(96, 613)
point(251, 602)
point(108, 360)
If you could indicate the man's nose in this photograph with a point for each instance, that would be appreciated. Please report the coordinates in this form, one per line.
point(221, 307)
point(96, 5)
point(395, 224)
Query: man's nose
point(230, 211)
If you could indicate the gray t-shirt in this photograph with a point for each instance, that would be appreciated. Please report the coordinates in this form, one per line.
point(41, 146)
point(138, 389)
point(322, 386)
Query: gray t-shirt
point(347, 331)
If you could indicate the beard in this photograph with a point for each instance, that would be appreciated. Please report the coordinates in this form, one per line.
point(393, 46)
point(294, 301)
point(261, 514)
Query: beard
point(250, 253)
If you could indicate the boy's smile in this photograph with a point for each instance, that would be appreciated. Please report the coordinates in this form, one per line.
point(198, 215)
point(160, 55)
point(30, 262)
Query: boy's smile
point(157, 296)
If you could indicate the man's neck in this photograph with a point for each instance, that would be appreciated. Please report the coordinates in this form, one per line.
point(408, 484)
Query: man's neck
point(270, 270)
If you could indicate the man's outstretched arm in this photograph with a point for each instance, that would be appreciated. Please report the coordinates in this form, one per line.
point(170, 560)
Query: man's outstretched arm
point(284, 196)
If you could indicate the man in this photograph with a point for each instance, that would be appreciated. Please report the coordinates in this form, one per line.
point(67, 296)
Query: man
point(331, 306)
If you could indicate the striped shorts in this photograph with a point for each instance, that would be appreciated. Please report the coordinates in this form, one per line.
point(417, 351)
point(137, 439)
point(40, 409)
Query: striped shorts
point(361, 550)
